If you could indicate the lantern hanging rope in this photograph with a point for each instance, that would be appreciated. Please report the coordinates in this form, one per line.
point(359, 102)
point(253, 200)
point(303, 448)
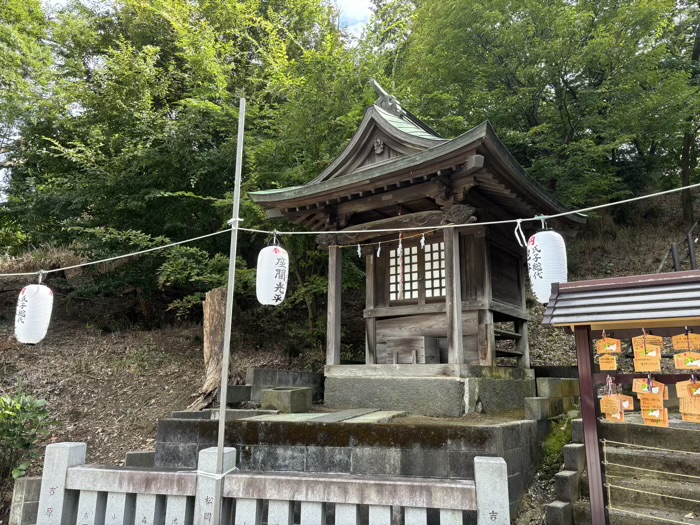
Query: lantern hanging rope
point(579, 211)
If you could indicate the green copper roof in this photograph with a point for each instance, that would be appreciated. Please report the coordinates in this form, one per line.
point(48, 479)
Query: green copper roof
point(406, 125)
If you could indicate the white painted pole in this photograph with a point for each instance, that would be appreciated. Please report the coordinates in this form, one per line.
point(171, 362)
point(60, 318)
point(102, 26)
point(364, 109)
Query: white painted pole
point(223, 388)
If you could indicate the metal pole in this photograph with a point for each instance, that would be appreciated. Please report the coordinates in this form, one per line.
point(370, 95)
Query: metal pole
point(223, 388)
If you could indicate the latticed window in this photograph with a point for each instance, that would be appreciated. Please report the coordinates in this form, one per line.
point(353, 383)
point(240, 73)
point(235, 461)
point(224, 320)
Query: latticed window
point(435, 269)
point(422, 273)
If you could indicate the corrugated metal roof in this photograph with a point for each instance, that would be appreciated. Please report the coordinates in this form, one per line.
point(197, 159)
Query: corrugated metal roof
point(406, 125)
point(625, 300)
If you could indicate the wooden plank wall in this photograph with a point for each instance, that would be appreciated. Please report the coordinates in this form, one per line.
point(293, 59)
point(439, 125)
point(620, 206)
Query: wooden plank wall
point(434, 325)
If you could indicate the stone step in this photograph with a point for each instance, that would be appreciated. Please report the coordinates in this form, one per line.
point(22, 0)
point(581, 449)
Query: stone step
point(380, 416)
point(644, 492)
point(629, 461)
point(633, 515)
point(659, 493)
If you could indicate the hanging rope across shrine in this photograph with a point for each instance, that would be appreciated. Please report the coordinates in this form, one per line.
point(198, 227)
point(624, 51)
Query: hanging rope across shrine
point(421, 229)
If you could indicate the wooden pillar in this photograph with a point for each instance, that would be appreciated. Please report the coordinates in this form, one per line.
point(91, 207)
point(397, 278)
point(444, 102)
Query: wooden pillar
point(335, 268)
point(486, 339)
point(370, 302)
point(453, 297)
point(590, 424)
point(522, 345)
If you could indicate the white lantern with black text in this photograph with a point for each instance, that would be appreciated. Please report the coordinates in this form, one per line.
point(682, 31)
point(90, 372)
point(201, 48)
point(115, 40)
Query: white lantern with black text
point(272, 274)
point(33, 313)
point(546, 262)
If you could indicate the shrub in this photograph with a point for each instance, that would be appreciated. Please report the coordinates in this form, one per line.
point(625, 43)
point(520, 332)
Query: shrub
point(24, 422)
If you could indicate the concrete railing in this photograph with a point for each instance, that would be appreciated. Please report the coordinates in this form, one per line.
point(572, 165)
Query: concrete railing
point(73, 493)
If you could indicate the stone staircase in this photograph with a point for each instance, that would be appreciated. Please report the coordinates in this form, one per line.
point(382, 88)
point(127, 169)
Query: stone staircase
point(646, 485)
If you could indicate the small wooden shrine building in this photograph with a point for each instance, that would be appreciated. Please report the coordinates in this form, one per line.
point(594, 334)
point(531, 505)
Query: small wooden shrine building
point(432, 310)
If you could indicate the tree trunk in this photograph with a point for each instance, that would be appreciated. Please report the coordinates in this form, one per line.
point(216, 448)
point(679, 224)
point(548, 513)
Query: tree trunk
point(214, 323)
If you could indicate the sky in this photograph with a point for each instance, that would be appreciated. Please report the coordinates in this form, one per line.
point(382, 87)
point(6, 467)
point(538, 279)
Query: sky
point(353, 15)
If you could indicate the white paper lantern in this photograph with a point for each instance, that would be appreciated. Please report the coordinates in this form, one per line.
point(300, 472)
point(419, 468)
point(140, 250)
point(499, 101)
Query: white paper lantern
point(546, 262)
point(33, 313)
point(272, 274)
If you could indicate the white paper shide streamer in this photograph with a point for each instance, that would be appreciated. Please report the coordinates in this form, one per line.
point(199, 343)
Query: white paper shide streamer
point(546, 262)
point(272, 274)
point(33, 313)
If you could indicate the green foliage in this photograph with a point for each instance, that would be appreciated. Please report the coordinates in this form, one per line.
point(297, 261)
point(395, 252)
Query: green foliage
point(24, 423)
point(590, 96)
point(553, 446)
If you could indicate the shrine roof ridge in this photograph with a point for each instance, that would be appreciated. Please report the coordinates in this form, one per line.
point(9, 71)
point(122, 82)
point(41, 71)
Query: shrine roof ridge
point(439, 156)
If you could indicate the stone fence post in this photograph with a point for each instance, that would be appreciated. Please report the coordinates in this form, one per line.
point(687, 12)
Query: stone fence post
point(56, 505)
point(207, 485)
point(491, 480)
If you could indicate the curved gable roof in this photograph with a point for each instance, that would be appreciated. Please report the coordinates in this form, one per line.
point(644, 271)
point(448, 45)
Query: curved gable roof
point(401, 135)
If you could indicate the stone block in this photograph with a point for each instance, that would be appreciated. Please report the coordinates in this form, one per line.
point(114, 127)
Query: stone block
point(491, 396)
point(516, 487)
point(372, 461)
point(236, 394)
point(25, 501)
point(539, 408)
point(328, 459)
point(176, 455)
point(287, 399)
point(514, 460)
point(491, 479)
point(178, 430)
point(559, 513)
point(425, 396)
point(187, 414)
point(575, 457)
point(282, 459)
point(140, 459)
point(461, 463)
point(264, 378)
point(567, 485)
point(549, 387)
point(569, 403)
point(577, 430)
point(570, 387)
point(424, 463)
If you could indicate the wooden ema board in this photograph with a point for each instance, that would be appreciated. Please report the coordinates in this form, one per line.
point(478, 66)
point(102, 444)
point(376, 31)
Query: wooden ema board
point(607, 362)
point(617, 417)
point(688, 389)
point(690, 418)
point(648, 351)
point(610, 404)
point(647, 364)
point(686, 342)
point(687, 361)
point(641, 341)
point(655, 418)
point(608, 346)
point(641, 386)
point(690, 405)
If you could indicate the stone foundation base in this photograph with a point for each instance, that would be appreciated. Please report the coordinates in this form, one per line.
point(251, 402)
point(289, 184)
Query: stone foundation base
point(485, 390)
